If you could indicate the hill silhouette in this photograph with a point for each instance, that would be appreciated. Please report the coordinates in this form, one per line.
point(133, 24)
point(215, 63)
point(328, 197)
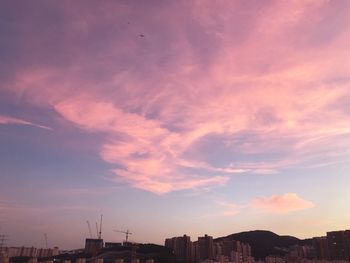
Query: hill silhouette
point(264, 243)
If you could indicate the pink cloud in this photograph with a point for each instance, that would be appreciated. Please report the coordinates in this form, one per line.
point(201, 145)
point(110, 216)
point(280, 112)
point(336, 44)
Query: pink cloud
point(286, 203)
point(12, 120)
point(195, 74)
point(147, 151)
point(230, 209)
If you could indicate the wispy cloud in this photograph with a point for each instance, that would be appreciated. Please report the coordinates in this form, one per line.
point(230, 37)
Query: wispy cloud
point(222, 100)
point(230, 209)
point(148, 153)
point(280, 204)
point(12, 120)
point(23, 208)
point(286, 203)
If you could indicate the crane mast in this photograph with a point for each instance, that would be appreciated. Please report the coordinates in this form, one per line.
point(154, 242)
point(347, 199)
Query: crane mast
point(127, 233)
point(100, 232)
point(96, 230)
point(90, 233)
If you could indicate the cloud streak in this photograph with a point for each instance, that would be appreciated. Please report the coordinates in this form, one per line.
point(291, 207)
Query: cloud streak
point(11, 120)
point(282, 204)
point(147, 153)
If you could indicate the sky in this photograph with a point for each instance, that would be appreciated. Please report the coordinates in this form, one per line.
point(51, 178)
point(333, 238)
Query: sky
point(173, 117)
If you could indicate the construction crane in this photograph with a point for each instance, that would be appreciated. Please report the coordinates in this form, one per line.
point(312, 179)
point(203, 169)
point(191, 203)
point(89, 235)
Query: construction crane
point(88, 223)
point(96, 230)
point(46, 244)
point(100, 232)
point(3, 239)
point(127, 233)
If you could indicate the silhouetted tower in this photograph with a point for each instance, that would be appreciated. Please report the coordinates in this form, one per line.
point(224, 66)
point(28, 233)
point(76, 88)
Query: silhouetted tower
point(205, 247)
point(339, 244)
point(182, 248)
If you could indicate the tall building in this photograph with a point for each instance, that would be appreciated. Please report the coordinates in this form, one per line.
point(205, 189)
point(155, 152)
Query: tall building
point(205, 248)
point(112, 245)
point(320, 245)
point(93, 246)
point(195, 253)
point(246, 252)
point(217, 250)
point(182, 248)
point(32, 252)
point(235, 257)
point(228, 246)
point(170, 243)
point(234, 250)
point(339, 244)
point(28, 252)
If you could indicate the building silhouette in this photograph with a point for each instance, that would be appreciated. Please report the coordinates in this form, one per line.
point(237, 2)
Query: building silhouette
point(182, 248)
point(320, 245)
point(205, 247)
point(339, 244)
point(93, 246)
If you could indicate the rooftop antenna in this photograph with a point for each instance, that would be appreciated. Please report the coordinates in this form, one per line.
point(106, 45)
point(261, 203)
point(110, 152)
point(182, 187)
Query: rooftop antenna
point(127, 233)
point(88, 223)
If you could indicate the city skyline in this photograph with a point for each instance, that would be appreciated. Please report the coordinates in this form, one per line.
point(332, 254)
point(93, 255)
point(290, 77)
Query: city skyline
point(257, 246)
point(170, 117)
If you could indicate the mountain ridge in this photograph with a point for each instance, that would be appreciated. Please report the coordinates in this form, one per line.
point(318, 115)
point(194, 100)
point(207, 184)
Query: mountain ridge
point(265, 242)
